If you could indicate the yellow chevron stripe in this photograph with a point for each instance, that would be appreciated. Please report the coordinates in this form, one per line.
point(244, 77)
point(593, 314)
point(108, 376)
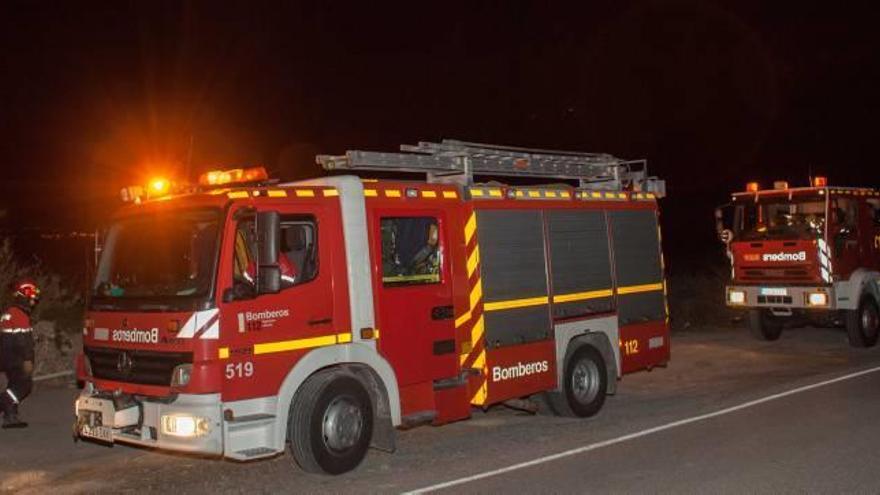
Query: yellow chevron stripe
point(476, 294)
point(461, 320)
point(470, 228)
point(477, 331)
point(472, 261)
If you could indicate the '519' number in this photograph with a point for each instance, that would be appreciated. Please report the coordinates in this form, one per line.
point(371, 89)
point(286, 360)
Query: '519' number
point(239, 370)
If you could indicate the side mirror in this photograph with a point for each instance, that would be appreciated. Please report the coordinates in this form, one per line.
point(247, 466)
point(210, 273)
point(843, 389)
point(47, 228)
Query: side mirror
point(722, 223)
point(268, 246)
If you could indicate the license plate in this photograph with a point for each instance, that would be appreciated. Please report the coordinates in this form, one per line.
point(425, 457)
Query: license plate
point(102, 433)
point(773, 291)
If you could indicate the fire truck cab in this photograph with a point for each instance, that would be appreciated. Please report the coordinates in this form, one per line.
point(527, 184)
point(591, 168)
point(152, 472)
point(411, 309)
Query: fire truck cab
point(319, 316)
point(805, 254)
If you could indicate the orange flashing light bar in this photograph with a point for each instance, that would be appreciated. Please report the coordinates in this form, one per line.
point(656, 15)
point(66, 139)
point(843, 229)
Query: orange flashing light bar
point(159, 186)
point(233, 176)
point(753, 187)
point(820, 181)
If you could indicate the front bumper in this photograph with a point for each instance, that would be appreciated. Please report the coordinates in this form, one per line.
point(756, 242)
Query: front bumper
point(768, 296)
point(139, 422)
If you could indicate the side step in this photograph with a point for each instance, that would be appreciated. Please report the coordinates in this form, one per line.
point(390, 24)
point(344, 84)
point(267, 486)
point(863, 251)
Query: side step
point(416, 419)
point(249, 437)
point(254, 453)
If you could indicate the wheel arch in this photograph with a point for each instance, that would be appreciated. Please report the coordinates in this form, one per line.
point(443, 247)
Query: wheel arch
point(363, 361)
point(862, 282)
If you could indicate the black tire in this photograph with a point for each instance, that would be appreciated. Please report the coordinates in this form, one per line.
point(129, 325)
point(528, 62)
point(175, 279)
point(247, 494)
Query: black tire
point(863, 324)
point(763, 325)
point(331, 423)
point(585, 385)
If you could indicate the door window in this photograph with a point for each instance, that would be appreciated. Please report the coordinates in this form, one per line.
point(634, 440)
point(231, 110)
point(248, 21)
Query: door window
point(411, 251)
point(297, 256)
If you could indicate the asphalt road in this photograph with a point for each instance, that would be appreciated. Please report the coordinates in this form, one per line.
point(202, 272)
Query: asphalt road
point(728, 415)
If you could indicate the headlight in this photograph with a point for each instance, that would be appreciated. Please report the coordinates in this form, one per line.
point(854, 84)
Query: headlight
point(736, 297)
point(817, 299)
point(185, 425)
point(181, 375)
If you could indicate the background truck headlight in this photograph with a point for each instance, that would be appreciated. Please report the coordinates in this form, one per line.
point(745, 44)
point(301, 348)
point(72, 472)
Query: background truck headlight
point(736, 297)
point(817, 299)
point(184, 425)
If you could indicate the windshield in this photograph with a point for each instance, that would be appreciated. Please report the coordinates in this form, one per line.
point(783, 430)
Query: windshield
point(779, 218)
point(160, 256)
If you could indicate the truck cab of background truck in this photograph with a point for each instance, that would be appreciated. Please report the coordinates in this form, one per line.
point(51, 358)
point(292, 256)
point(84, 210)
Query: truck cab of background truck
point(802, 254)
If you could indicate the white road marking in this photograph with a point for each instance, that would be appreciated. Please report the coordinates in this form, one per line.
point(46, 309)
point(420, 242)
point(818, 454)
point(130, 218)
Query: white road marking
point(638, 434)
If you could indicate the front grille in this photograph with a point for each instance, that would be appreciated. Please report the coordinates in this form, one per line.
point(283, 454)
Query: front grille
point(146, 367)
point(774, 299)
point(776, 273)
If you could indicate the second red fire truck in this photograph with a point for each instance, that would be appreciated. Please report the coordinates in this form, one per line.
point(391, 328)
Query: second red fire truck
point(805, 254)
point(249, 316)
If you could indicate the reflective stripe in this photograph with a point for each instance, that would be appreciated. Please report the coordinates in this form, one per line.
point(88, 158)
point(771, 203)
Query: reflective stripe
point(14, 398)
point(577, 296)
point(197, 323)
point(6, 317)
point(16, 330)
point(582, 296)
point(515, 303)
point(293, 345)
point(635, 289)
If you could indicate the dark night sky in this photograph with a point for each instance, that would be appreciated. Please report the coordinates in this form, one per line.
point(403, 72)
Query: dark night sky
point(95, 95)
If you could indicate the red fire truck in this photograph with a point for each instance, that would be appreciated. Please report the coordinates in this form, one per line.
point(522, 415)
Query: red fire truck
point(802, 254)
point(249, 316)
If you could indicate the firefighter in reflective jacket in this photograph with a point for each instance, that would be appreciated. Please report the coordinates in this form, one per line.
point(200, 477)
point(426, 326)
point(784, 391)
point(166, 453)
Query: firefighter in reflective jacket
point(17, 351)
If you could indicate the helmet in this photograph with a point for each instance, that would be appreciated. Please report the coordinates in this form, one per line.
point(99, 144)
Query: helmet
point(28, 291)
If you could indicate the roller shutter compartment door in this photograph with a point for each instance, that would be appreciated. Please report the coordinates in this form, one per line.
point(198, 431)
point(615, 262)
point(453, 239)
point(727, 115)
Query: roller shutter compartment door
point(636, 245)
point(514, 277)
point(580, 263)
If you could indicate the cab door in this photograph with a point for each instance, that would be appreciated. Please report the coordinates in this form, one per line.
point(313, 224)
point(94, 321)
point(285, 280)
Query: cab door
point(413, 285)
point(872, 227)
point(264, 334)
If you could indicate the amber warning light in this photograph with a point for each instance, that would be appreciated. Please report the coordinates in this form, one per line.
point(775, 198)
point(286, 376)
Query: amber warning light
point(753, 187)
point(820, 181)
point(233, 176)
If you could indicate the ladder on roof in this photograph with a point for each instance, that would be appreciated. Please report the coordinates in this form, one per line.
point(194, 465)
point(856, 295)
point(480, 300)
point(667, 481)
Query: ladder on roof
point(458, 161)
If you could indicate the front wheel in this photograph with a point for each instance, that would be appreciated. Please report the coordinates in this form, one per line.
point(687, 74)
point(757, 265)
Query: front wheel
point(763, 325)
point(331, 423)
point(863, 324)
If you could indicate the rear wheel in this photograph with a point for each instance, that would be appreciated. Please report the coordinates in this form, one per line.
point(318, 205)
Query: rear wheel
point(331, 423)
point(763, 325)
point(585, 385)
point(863, 324)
